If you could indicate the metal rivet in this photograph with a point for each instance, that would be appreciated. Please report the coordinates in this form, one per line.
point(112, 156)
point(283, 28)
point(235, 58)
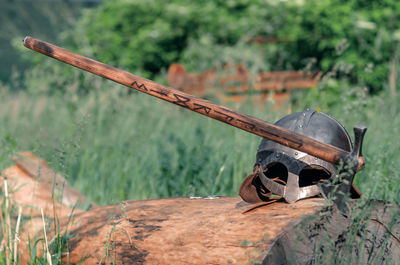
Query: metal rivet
point(300, 126)
point(295, 153)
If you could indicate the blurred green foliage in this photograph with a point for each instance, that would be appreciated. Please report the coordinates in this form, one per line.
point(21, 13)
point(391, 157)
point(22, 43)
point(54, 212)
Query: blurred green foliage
point(355, 40)
point(147, 36)
point(39, 18)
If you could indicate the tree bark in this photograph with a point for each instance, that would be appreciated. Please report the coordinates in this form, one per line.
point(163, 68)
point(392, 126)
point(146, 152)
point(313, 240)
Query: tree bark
point(211, 230)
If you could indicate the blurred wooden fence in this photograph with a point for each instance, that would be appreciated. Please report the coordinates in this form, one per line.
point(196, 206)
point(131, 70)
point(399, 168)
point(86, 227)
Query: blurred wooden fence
point(235, 83)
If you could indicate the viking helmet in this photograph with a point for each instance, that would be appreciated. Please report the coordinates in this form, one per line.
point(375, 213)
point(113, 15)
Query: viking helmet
point(289, 173)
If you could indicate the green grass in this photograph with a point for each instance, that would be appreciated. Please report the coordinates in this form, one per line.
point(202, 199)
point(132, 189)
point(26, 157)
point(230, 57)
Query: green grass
point(114, 146)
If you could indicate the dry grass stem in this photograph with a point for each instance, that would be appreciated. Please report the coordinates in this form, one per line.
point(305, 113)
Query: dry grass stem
point(16, 240)
point(48, 256)
point(2, 228)
point(8, 225)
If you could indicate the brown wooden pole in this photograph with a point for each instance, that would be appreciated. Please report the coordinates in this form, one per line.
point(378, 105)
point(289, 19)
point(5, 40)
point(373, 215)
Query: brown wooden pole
point(239, 120)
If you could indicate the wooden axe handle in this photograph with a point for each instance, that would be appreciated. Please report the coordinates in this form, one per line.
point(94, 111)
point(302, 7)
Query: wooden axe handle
point(239, 120)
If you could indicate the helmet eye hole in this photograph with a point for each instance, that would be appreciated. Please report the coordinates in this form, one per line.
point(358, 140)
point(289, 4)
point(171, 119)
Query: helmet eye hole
point(312, 175)
point(276, 172)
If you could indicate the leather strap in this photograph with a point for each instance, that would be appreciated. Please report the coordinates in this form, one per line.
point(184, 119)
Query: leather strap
point(252, 190)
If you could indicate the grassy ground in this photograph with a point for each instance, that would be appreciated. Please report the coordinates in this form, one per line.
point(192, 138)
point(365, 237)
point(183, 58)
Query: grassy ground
point(113, 145)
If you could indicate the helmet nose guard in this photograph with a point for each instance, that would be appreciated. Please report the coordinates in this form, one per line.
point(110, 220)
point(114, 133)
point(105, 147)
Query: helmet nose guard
point(285, 176)
point(295, 175)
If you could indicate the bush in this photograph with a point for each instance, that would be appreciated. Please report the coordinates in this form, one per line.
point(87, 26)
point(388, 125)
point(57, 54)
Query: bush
point(356, 39)
point(147, 36)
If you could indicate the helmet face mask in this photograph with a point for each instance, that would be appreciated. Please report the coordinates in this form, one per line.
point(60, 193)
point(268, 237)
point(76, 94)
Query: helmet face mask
point(291, 174)
point(292, 178)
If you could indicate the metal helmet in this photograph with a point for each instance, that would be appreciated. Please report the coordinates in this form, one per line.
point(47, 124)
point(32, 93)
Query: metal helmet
point(289, 173)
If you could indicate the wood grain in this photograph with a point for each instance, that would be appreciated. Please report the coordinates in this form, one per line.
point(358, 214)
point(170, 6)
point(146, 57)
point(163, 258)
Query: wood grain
point(210, 230)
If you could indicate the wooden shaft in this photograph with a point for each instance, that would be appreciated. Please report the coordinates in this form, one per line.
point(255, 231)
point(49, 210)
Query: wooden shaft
point(239, 120)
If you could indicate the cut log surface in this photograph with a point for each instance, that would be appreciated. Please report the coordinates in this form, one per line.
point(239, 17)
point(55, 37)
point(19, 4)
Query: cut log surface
point(211, 230)
point(32, 183)
point(184, 230)
point(228, 231)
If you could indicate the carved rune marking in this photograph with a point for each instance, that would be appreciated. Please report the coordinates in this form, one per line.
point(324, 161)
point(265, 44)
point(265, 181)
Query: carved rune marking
point(141, 87)
point(181, 100)
point(249, 125)
point(161, 92)
point(270, 133)
point(227, 117)
point(199, 107)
